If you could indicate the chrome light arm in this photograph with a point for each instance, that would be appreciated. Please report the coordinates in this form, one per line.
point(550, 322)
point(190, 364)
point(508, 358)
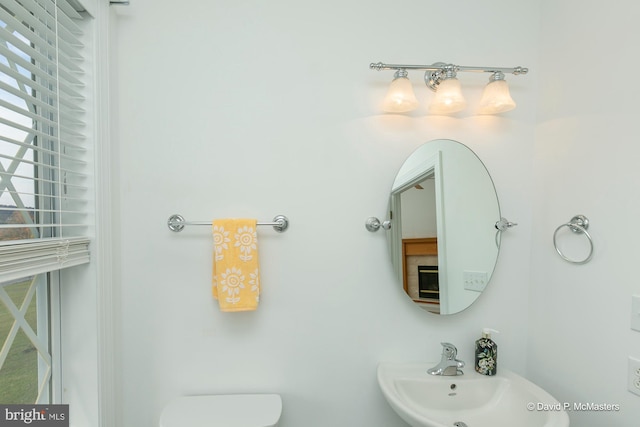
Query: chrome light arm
point(438, 71)
point(441, 66)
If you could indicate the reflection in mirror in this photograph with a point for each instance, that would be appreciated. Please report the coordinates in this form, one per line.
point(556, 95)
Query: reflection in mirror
point(443, 209)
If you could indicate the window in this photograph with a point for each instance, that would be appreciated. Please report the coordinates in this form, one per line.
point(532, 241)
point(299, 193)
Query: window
point(45, 182)
point(25, 374)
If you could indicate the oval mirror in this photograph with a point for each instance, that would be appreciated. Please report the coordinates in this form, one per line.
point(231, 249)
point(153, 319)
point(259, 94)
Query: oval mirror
point(443, 239)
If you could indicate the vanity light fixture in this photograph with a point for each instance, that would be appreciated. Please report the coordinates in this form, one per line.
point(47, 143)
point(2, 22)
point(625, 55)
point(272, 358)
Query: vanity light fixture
point(400, 97)
point(442, 79)
point(448, 97)
point(496, 97)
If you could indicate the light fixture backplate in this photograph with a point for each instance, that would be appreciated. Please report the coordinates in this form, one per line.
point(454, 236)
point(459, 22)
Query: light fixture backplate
point(433, 78)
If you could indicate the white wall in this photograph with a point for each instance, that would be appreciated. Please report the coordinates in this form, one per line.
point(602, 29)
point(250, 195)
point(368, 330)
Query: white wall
point(419, 213)
point(253, 108)
point(587, 163)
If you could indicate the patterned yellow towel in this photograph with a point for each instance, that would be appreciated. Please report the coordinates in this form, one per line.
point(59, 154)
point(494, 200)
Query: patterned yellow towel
point(236, 279)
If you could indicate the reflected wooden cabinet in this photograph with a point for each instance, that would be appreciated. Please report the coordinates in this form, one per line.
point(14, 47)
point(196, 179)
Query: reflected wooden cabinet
point(420, 269)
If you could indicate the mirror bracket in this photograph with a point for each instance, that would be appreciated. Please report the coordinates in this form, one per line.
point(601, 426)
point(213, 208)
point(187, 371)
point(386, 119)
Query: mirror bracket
point(504, 224)
point(373, 224)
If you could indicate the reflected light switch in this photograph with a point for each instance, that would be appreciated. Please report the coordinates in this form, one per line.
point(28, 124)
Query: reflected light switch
point(635, 313)
point(475, 280)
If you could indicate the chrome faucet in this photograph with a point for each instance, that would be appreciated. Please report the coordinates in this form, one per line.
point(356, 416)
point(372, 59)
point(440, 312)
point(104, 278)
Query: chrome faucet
point(449, 365)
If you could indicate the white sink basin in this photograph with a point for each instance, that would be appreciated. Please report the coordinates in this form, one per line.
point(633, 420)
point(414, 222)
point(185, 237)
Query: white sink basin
point(469, 400)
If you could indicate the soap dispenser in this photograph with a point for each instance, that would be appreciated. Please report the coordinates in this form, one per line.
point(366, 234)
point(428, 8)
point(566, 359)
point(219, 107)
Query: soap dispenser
point(486, 353)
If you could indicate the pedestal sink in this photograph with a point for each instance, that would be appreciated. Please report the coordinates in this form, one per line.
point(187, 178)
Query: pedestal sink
point(469, 400)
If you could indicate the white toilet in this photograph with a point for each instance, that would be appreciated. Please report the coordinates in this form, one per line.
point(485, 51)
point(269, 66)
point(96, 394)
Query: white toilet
point(223, 410)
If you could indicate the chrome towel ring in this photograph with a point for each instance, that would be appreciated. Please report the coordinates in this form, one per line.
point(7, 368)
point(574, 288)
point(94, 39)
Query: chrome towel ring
point(578, 224)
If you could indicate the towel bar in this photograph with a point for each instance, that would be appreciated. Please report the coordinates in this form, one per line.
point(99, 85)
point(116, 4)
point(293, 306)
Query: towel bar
point(177, 222)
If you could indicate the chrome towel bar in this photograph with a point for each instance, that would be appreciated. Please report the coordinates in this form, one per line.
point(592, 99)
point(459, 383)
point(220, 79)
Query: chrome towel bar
point(177, 222)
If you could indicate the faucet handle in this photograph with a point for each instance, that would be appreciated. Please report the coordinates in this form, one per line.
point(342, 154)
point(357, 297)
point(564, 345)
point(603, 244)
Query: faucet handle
point(449, 350)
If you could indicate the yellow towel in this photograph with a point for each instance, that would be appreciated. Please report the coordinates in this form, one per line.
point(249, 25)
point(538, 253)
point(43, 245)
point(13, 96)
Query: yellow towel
point(236, 278)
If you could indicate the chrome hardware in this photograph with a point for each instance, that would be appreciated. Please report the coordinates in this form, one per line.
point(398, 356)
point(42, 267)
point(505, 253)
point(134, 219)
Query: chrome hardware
point(504, 224)
point(438, 71)
point(434, 78)
point(449, 365)
point(177, 222)
point(373, 224)
point(578, 224)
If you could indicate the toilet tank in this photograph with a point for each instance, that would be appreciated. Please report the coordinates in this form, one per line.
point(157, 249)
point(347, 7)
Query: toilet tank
point(223, 410)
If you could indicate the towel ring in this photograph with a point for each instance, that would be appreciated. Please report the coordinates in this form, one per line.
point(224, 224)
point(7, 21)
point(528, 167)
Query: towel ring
point(578, 224)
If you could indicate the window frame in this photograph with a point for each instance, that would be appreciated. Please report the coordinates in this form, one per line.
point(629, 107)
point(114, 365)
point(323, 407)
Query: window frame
point(53, 253)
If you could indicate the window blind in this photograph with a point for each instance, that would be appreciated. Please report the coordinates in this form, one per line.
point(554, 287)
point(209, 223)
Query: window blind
point(20, 259)
point(45, 170)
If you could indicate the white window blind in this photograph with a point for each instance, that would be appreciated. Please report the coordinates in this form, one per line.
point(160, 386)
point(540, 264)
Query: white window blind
point(44, 160)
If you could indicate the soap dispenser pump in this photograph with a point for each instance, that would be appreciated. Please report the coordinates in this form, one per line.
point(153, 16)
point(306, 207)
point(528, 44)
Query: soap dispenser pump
point(486, 353)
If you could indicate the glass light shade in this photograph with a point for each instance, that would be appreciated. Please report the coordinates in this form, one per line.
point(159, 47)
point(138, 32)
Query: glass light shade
point(400, 98)
point(448, 98)
point(496, 98)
